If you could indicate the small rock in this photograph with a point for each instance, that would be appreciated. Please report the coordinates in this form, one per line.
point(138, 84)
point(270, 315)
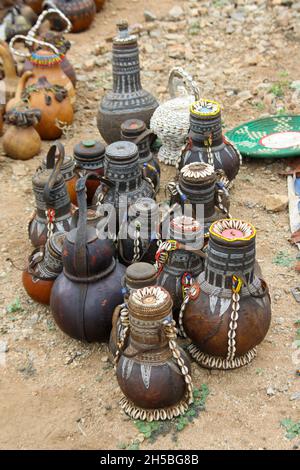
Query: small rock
point(245, 95)
point(276, 202)
point(270, 391)
point(19, 170)
point(176, 12)
point(100, 48)
point(89, 65)
point(104, 359)
point(295, 396)
point(3, 346)
point(149, 16)
point(296, 6)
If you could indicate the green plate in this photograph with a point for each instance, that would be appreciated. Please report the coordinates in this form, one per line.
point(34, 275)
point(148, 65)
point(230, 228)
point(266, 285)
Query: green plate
point(270, 137)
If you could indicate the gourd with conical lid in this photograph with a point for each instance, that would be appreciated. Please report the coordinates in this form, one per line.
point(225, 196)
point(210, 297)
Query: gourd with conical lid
point(182, 259)
point(138, 275)
point(135, 130)
point(125, 180)
point(85, 295)
point(206, 141)
point(152, 370)
point(128, 99)
point(231, 313)
point(53, 207)
point(44, 63)
point(44, 265)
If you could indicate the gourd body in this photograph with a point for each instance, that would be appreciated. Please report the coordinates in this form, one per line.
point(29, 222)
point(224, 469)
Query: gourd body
point(80, 12)
point(21, 143)
point(128, 99)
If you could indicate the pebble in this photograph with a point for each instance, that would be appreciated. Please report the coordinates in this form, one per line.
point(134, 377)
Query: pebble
point(149, 16)
point(270, 391)
point(276, 202)
point(104, 359)
point(3, 346)
point(176, 12)
point(295, 396)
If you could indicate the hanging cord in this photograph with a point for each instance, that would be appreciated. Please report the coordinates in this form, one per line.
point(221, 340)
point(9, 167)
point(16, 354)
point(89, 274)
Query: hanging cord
point(124, 332)
point(237, 284)
point(162, 254)
point(137, 242)
point(221, 193)
point(50, 216)
point(186, 283)
point(171, 334)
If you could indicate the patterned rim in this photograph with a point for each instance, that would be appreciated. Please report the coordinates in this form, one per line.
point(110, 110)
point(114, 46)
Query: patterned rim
point(205, 108)
point(218, 228)
point(270, 137)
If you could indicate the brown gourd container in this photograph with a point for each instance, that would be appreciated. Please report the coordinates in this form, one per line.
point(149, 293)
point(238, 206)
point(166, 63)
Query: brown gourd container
point(21, 141)
point(138, 275)
point(89, 158)
point(80, 12)
point(153, 372)
point(86, 293)
point(127, 99)
point(53, 206)
point(231, 311)
point(44, 265)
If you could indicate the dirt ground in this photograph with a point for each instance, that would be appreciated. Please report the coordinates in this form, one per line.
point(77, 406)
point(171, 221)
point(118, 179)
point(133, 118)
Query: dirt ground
point(57, 393)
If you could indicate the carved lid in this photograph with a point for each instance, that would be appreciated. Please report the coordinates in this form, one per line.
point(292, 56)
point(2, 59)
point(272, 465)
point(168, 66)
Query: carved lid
point(187, 231)
point(205, 109)
point(133, 127)
point(232, 232)
point(124, 37)
point(150, 303)
point(140, 275)
point(88, 149)
point(122, 152)
point(197, 171)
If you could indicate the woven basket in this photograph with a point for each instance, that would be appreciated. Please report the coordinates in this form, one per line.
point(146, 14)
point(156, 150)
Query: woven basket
point(270, 137)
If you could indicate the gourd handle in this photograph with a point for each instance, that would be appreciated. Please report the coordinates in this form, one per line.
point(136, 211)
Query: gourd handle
point(28, 42)
point(147, 133)
point(56, 149)
point(81, 264)
point(187, 81)
point(34, 31)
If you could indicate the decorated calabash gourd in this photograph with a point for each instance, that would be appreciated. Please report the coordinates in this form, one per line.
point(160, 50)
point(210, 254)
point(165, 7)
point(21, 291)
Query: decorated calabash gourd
point(99, 4)
point(36, 5)
point(153, 372)
point(44, 265)
point(135, 130)
point(200, 193)
point(206, 142)
point(52, 101)
point(21, 141)
point(53, 206)
point(125, 180)
point(94, 216)
point(85, 295)
point(127, 100)
point(139, 236)
point(230, 312)
point(45, 64)
point(67, 170)
point(138, 275)
point(17, 20)
point(80, 12)
point(57, 39)
point(179, 260)
point(89, 158)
